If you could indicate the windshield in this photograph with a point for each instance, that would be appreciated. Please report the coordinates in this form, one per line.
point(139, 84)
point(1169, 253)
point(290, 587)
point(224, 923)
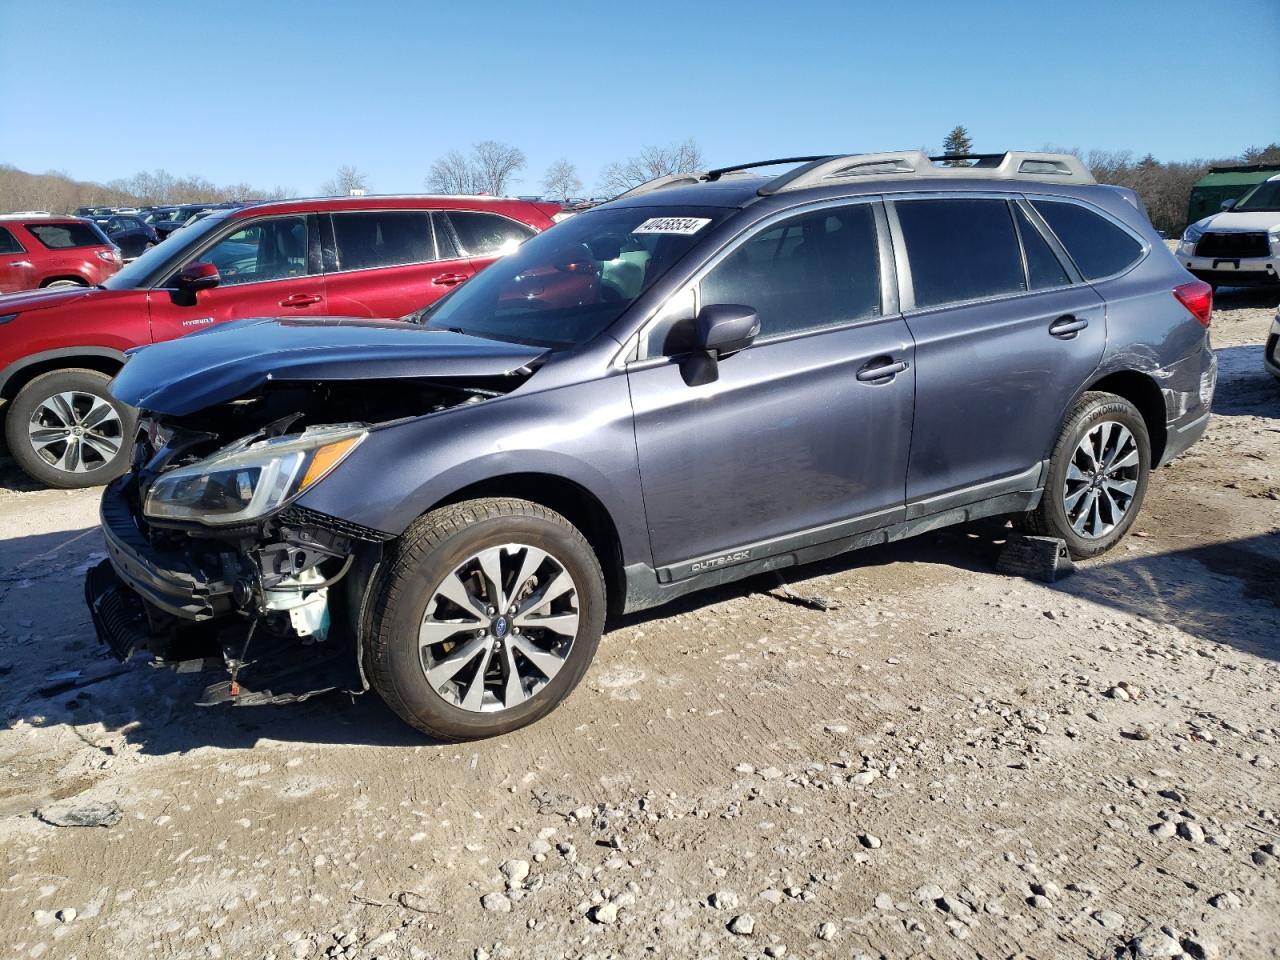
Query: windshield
point(1265, 197)
point(568, 285)
point(169, 253)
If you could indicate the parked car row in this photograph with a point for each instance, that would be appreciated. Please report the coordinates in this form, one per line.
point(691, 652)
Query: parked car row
point(362, 257)
point(715, 375)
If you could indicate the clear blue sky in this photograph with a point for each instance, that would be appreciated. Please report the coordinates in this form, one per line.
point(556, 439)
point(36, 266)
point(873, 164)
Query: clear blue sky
point(282, 93)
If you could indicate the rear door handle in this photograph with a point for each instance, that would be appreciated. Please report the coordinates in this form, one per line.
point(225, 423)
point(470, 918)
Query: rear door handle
point(1066, 327)
point(881, 369)
point(299, 300)
point(19, 263)
point(448, 279)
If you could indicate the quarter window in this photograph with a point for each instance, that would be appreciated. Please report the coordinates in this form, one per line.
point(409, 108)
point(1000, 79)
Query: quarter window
point(960, 250)
point(1098, 246)
point(266, 250)
point(816, 270)
point(383, 238)
point(487, 234)
point(9, 243)
point(1044, 269)
point(63, 236)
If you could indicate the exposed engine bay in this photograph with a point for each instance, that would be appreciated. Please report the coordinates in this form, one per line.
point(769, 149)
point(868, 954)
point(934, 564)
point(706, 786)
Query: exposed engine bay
point(211, 564)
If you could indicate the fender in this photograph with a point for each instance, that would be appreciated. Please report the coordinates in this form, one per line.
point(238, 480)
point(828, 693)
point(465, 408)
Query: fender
point(584, 435)
point(63, 353)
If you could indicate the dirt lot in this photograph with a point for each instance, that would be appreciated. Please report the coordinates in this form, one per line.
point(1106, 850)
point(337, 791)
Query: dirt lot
point(951, 764)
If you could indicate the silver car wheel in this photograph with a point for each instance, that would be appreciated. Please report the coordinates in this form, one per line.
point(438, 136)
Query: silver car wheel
point(499, 628)
point(76, 432)
point(1102, 478)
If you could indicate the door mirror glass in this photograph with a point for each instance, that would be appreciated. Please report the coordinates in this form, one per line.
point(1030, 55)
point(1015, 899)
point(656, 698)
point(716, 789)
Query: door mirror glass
point(198, 276)
point(726, 328)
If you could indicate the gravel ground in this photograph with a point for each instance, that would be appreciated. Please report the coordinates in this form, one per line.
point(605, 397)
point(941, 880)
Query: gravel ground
point(951, 763)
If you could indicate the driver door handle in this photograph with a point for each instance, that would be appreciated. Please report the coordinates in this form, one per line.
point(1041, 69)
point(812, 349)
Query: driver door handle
point(881, 370)
point(1066, 327)
point(448, 279)
point(299, 300)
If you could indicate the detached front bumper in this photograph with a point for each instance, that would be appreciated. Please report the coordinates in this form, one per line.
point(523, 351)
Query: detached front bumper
point(201, 609)
point(175, 582)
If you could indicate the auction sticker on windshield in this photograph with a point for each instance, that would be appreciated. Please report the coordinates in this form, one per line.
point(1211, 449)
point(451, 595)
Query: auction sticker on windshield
point(684, 226)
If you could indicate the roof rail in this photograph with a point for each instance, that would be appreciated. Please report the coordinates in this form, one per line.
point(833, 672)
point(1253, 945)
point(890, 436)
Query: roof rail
point(670, 180)
point(704, 176)
point(1012, 165)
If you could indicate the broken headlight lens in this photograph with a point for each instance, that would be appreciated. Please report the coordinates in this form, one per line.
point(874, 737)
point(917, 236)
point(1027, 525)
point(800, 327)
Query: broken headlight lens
point(240, 484)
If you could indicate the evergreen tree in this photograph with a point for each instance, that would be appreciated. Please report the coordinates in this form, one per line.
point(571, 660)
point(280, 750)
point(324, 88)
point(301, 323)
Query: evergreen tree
point(958, 142)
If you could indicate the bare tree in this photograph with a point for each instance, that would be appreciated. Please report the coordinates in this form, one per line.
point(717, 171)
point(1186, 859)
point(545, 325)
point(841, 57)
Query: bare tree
point(451, 175)
point(489, 169)
point(651, 163)
point(348, 180)
point(494, 165)
point(561, 180)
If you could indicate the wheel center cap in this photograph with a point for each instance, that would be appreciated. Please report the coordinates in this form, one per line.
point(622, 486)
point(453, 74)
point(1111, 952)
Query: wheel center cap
point(78, 431)
point(500, 627)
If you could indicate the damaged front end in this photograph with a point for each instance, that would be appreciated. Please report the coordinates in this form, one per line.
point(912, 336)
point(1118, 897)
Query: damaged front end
point(212, 562)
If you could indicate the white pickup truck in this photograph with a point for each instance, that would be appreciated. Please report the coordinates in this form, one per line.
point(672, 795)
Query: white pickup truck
point(1239, 247)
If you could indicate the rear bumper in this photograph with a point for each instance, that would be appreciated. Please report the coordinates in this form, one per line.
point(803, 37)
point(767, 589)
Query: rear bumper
point(1181, 436)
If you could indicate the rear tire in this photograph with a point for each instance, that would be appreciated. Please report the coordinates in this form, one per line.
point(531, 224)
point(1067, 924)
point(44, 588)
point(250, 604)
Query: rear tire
point(65, 429)
point(58, 284)
point(1097, 476)
point(453, 643)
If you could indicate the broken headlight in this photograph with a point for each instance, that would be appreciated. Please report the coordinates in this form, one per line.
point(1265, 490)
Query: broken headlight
point(243, 483)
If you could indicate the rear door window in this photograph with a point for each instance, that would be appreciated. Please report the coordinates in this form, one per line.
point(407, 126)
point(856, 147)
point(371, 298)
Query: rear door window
point(64, 236)
point(487, 234)
point(383, 238)
point(960, 249)
point(9, 243)
point(816, 270)
point(1044, 269)
point(1098, 247)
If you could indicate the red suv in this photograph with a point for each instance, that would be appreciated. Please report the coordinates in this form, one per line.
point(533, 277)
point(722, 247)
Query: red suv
point(44, 251)
point(356, 257)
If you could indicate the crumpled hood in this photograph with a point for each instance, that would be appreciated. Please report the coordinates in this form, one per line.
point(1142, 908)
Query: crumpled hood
point(222, 363)
point(1231, 222)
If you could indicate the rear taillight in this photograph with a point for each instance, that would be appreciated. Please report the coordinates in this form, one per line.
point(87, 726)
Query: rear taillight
point(1196, 296)
point(106, 256)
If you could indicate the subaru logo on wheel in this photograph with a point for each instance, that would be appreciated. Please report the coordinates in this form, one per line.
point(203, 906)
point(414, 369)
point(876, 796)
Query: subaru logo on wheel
point(500, 627)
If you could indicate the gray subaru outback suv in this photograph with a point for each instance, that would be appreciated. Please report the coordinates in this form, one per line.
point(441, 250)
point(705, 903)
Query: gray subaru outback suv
point(714, 375)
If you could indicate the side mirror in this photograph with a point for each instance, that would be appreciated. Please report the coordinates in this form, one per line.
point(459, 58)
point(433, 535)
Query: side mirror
point(198, 276)
point(725, 328)
point(1227, 205)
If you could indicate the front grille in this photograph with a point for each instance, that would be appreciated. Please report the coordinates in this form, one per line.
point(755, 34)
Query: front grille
point(1233, 245)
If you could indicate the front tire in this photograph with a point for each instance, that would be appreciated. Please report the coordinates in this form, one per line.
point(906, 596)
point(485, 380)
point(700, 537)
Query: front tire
point(65, 429)
point(484, 619)
point(1097, 476)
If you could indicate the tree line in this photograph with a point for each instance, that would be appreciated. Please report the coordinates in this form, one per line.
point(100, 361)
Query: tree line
point(491, 167)
point(58, 192)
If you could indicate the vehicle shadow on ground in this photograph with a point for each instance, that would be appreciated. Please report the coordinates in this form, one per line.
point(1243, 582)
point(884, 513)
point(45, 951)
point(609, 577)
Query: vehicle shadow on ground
point(1189, 588)
point(1224, 593)
point(1245, 388)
